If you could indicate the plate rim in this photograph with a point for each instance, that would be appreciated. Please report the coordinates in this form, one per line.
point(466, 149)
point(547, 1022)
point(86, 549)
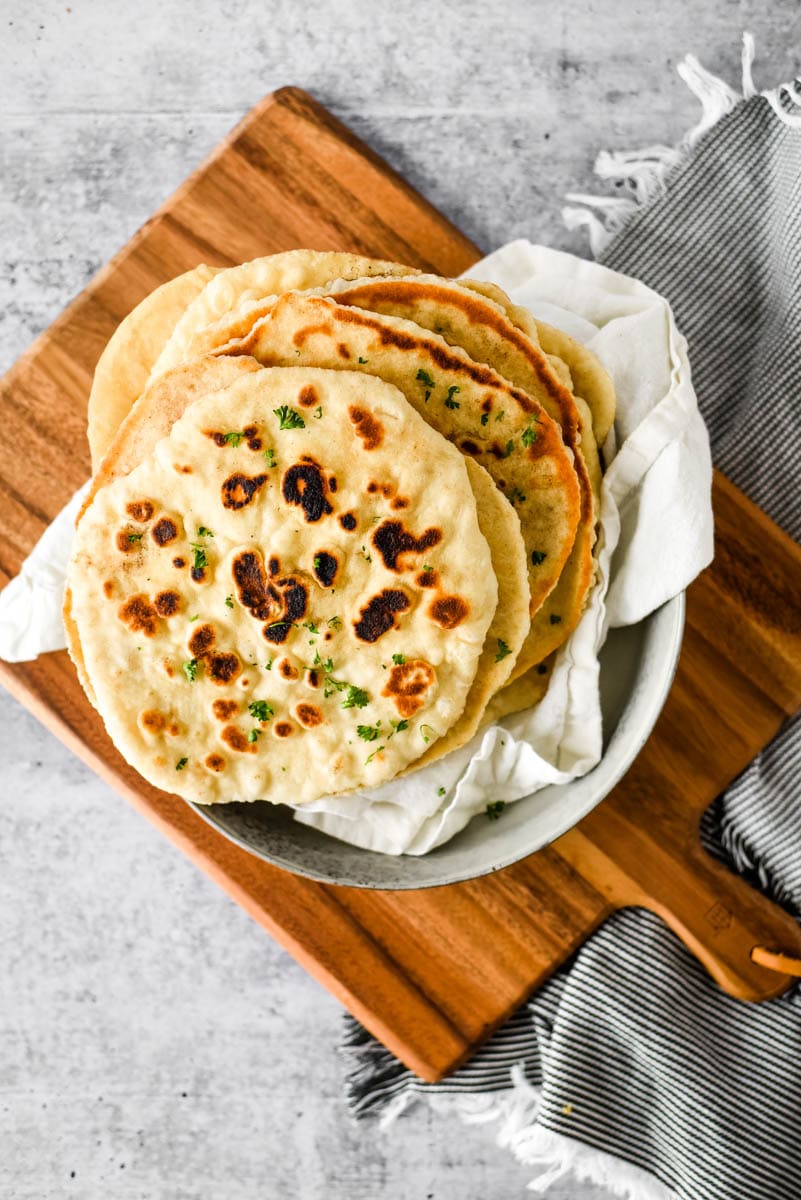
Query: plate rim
point(676, 606)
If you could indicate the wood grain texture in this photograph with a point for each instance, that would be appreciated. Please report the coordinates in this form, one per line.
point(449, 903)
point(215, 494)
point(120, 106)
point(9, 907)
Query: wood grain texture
point(430, 973)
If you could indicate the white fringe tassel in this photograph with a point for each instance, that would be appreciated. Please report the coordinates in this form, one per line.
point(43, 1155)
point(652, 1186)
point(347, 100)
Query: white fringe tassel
point(557, 1157)
point(644, 172)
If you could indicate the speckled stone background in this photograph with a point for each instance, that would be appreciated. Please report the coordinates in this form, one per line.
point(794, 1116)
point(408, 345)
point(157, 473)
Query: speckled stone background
point(154, 1043)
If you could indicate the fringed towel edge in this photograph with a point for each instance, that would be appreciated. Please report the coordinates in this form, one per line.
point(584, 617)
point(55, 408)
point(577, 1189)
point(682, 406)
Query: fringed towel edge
point(646, 171)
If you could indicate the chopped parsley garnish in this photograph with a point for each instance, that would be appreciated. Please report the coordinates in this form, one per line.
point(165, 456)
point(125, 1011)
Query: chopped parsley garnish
point(200, 556)
point(371, 733)
point(516, 496)
point(503, 650)
point(233, 438)
point(318, 562)
point(424, 377)
point(334, 623)
point(318, 412)
point(202, 531)
point(509, 448)
point(362, 360)
point(135, 537)
point(499, 416)
point(399, 659)
point(270, 456)
point(268, 666)
point(529, 436)
point(427, 568)
point(261, 710)
point(370, 757)
point(289, 418)
point(254, 735)
point(190, 669)
point(449, 400)
point(195, 618)
point(310, 625)
point(440, 791)
point(356, 697)
point(555, 620)
point(427, 732)
point(538, 557)
point(229, 602)
point(495, 809)
point(331, 684)
point(179, 766)
point(485, 418)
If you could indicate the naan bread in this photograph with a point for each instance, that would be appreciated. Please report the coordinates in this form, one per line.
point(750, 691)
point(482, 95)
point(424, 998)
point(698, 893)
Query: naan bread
point(522, 693)
point(594, 408)
point(591, 381)
point(124, 366)
point(499, 425)
point(527, 688)
point(500, 525)
point(293, 270)
point(315, 565)
point(153, 415)
point(166, 400)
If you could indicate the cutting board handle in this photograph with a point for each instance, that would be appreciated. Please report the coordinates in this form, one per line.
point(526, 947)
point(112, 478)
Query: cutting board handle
point(730, 926)
point(720, 918)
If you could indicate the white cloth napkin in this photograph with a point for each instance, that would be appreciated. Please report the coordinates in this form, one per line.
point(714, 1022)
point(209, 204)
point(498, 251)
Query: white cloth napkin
point(30, 605)
point(655, 536)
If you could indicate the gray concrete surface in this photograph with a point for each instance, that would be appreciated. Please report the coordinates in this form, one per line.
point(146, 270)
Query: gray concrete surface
point(153, 1042)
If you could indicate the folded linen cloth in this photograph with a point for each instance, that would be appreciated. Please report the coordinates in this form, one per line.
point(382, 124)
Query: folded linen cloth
point(631, 1068)
point(30, 605)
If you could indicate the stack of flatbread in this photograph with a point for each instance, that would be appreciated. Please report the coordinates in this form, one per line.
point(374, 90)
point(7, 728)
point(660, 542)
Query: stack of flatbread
point(342, 516)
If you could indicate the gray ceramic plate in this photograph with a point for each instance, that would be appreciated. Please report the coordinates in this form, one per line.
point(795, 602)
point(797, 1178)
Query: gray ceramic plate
point(637, 667)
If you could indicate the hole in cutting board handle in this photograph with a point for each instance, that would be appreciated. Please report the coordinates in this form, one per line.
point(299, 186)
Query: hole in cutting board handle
point(775, 960)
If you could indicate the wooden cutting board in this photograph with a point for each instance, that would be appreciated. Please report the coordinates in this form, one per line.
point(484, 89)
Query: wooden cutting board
point(431, 973)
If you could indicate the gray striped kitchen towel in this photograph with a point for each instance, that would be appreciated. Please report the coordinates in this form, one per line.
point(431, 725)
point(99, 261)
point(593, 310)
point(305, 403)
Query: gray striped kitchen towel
point(631, 1052)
